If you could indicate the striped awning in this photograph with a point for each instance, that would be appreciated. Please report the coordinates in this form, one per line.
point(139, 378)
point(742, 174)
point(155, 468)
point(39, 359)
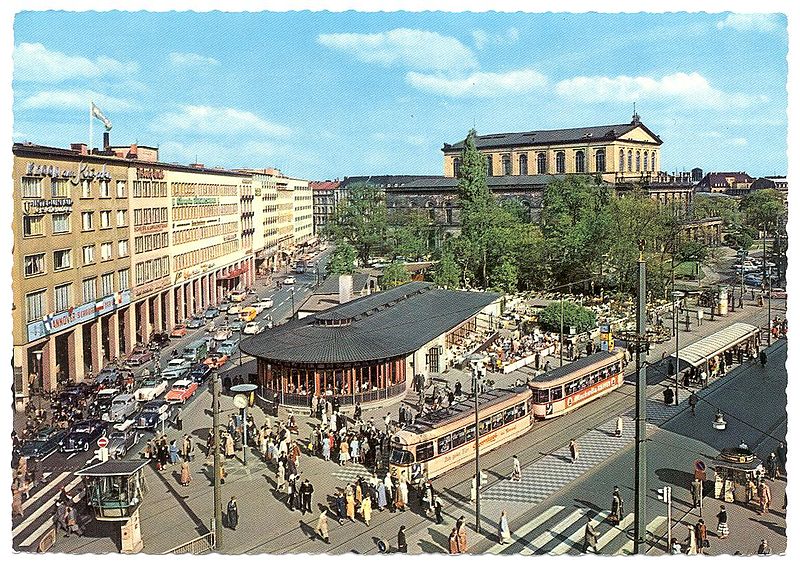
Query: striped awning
point(707, 347)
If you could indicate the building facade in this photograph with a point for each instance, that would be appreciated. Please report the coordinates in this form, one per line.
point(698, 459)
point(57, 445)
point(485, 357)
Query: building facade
point(324, 200)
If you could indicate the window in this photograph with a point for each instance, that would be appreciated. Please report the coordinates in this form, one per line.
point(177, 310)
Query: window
point(630, 160)
point(107, 284)
point(561, 165)
point(86, 189)
point(456, 167)
point(443, 444)
point(31, 187)
point(105, 190)
point(638, 161)
point(34, 265)
point(122, 248)
point(506, 164)
point(33, 225)
point(541, 163)
point(509, 415)
point(122, 190)
point(458, 438)
point(556, 393)
point(424, 451)
point(469, 433)
point(124, 279)
point(122, 218)
point(61, 223)
point(62, 259)
point(35, 305)
point(88, 254)
point(541, 396)
point(62, 294)
point(449, 214)
point(489, 165)
point(59, 187)
point(497, 421)
point(652, 161)
point(89, 290)
point(645, 161)
point(87, 220)
point(523, 164)
point(580, 162)
point(105, 219)
point(600, 160)
point(621, 161)
point(485, 426)
point(105, 251)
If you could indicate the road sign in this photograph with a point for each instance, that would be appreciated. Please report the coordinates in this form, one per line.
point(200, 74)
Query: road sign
point(699, 465)
point(102, 442)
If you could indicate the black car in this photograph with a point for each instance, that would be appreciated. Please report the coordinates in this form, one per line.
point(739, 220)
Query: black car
point(121, 441)
point(82, 435)
point(200, 373)
point(154, 413)
point(43, 444)
point(159, 341)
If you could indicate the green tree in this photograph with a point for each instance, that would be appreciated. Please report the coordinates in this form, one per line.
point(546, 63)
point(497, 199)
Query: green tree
point(394, 275)
point(409, 234)
point(342, 260)
point(574, 315)
point(446, 274)
point(504, 276)
point(763, 208)
point(361, 220)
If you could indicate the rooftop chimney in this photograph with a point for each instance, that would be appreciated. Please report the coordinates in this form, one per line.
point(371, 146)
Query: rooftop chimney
point(197, 165)
point(81, 148)
point(106, 141)
point(345, 288)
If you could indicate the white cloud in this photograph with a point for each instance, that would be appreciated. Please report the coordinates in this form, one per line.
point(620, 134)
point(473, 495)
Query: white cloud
point(482, 38)
point(76, 100)
point(479, 84)
point(738, 141)
point(34, 62)
point(415, 49)
point(217, 120)
point(180, 59)
point(750, 22)
point(690, 88)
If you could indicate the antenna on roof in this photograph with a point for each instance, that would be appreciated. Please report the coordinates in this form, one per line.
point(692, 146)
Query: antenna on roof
point(635, 119)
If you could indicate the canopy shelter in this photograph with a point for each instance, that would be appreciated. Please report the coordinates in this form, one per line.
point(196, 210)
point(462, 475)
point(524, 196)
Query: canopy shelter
point(115, 488)
point(708, 347)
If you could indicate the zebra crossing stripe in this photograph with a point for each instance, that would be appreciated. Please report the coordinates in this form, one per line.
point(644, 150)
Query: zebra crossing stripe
point(31, 539)
point(575, 540)
point(46, 507)
point(44, 490)
point(608, 536)
point(527, 529)
point(627, 549)
point(550, 534)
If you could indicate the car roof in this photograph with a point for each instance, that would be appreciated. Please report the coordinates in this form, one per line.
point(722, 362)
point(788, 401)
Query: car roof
point(108, 391)
point(182, 383)
point(155, 403)
point(124, 397)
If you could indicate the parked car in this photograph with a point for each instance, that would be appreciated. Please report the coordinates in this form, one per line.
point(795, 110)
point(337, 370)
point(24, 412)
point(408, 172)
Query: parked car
point(181, 391)
point(155, 413)
point(140, 356)
point(102, 402)
point(252, 328)
point(81, 435)
point(121, 438)
point(211, 312)
point(179, 331)
point(236, 326)
point(216, 359)
point(289, 281)
point(176, 369)
point(43, 444)
point(107, 378)
point(224, 306)
point(265, 303)
point(752, 280)
point(200, 373)
point(123, 406)
point(234, 309)
point(151, 389)
point(223, 334)
point(248, 314)
point(237, 295)
point(159, 340)
point(228, 347)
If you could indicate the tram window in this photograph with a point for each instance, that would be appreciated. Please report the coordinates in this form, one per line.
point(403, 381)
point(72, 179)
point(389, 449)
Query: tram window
point(424, 451)
point(520, 410)
point(469, 433)
point(556, 393)
point(443, 444)
point(571, 388)
point(509, 415)
point(486, 426)
point(458, 438)
point(497, 420)
point(400, 457)
point(541, 396)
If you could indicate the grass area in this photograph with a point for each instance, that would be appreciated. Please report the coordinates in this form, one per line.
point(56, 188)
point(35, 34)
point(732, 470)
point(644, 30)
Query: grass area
point(688, 270)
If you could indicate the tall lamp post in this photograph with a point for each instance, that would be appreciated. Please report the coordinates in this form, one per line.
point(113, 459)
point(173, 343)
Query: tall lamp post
point(241, 400)
point(640, 463)
point(676, 297)
point(39, 378)
point(477, 375)
point(217, 461)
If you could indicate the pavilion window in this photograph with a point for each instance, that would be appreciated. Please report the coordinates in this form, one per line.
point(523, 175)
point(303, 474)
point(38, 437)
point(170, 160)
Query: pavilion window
point(456, 167)
point(523, 164)
point(645, 161)
point(541, 163)
point(506, 164)
point(653, 161)
point(630, 160)
point(621, 161)
point(561, 165)
point(489, 166)
point(600, 160)
point(580, 162)
point(638, 161)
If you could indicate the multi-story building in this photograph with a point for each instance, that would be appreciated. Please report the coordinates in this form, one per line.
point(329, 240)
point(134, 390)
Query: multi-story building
point(731, 183)
point(324, 195)
point(302, 212)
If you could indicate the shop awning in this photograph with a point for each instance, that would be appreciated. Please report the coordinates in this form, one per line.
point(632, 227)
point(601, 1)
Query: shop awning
point(712, 345)
point(233, 273)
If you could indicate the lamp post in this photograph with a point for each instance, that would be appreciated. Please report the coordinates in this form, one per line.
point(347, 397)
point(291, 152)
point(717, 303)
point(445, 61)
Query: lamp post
point(241, 400)
point(676, 297)
point(217, 461)
point(640, 462)
point(477, 374)
point(39, 378)
point(769, 306)
point(561, 334)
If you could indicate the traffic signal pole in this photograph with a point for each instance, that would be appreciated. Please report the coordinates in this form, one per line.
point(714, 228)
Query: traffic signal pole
point(639, 531)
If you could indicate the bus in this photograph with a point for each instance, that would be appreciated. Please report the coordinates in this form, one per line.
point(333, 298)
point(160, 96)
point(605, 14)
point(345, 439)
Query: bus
point(440, 441)
point(563, 389)
point(196, 350)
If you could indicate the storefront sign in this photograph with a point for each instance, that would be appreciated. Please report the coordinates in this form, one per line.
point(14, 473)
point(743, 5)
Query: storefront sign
point(190, 273)
point(150, 287)
point(47, 206)
point(45, 170)
point(150, 227)
point(149, 173)
point(182, 201)
point(56, 322)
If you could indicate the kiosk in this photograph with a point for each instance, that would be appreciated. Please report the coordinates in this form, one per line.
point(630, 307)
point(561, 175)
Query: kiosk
point(734, 468)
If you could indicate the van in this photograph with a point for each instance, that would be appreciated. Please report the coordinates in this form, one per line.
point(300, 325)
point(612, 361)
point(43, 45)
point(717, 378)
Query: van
point(248, 314)
point(196, 351)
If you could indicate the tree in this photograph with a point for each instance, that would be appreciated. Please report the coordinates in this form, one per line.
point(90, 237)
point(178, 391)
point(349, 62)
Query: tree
point(361, 220)
point(409, 234)
point(575, 315)
point(446, 274)
point(763, 208)
point(394, 275)
point(342, 260)
point(504, 276)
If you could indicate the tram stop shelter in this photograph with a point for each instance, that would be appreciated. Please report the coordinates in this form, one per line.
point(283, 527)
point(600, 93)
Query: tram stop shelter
point(114, 490)
point(698, 354)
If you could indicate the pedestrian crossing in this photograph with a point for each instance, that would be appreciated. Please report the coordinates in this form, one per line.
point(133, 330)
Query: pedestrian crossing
point(38, 509)
point(350, 472)
point(560, 531)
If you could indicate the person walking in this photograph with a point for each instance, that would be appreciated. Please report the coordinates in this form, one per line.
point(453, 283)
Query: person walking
point(618, 430)
point(693, 402)
point(701, 534)
point(233, 513)
point(173, 452)
point(516, 472)
point(674, 547)
point(16, 502)
point(697, 493)
point(381, 491)
point(780, 453)
point(186, 476)
point(590, 535)
point(306, 494)
point(438, 510)
point(72, 522)
point(322, 525)
point(764, 497)
point(764, 549)
point(402, 546)
point(462, 535)
point(722, 522)
point(366, 509)
point(503, 532)
point(617, 507)
point(61, 518)
point(351, 503)
point(453, 542)
point(401, 495)
point(573, 450)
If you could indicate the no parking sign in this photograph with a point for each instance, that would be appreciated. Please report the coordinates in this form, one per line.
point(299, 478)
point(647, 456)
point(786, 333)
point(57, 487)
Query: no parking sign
point(700, 470)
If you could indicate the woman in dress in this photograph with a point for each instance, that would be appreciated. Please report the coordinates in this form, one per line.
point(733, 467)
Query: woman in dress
point(504, 534)
point(722, 523)
point(186, 476)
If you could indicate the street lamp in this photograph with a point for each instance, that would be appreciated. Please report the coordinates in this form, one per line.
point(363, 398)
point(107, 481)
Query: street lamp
point(676, 297)
point(478, 373)
point(39, 377)
point(292, 290)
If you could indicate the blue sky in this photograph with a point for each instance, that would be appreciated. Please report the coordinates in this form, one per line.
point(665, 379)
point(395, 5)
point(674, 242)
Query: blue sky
point(324, 95)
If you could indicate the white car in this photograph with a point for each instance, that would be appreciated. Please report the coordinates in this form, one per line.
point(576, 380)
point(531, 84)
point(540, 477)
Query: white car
point(223, 334)
point(234, 309)
point(252, 328)
point(289, 281)
point(151, 389)
point(262, 304)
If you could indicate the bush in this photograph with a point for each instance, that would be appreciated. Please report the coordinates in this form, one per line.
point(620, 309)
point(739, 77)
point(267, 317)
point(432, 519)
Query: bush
point(575, 315)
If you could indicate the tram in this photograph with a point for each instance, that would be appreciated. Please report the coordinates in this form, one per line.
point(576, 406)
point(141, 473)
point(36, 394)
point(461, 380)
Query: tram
point(445, 439)
point(563, 389)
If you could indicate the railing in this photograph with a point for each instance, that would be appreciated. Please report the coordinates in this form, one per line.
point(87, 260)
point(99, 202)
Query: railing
point(197, 546)
point(266, 395)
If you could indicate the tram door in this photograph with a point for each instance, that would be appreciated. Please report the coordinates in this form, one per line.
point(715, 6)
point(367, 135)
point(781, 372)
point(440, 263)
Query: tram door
point(433, 359)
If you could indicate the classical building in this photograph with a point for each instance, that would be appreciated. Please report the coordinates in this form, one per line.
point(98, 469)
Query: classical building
point(368, 349)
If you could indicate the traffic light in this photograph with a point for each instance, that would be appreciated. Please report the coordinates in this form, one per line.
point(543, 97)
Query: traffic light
point(665, 494)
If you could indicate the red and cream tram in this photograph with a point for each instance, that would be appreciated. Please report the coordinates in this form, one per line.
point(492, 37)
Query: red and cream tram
point(563, 389)
point(438, 442)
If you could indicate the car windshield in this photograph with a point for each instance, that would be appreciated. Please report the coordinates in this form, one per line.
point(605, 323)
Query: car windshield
point(121, 403)
point(83, 428)
point(180, 386)
point(116, 435)
point(400, 457)
point(150, 383)
point(148, 408)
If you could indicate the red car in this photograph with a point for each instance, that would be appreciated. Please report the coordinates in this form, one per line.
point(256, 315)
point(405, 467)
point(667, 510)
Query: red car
point(178, 331)
point(140, 356)
point(181, 391)
point(216, 359)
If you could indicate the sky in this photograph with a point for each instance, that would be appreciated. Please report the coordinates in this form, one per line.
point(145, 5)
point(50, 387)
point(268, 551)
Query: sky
point(323, 95)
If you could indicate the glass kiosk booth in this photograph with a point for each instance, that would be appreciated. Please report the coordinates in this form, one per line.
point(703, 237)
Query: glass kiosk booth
point(114, 490)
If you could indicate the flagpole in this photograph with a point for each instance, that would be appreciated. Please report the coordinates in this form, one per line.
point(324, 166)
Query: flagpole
point(90, 128)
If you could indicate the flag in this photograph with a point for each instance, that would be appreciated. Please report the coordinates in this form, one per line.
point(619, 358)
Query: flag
point(97, 113)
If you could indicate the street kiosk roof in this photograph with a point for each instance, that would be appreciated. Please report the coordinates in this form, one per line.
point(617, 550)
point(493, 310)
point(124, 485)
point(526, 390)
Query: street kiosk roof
point(712, 345)
point(113, 467)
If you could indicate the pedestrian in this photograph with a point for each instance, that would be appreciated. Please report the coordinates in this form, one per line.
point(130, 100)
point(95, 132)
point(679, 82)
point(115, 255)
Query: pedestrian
point(222, 473)
point(188, 448)
point(306, 492)
point(351, 503)
point(229, 450)
point(722, 522)
point(617, 507)
point(693, 402)
point(771, 466)
point(618, 430)
point(504, 534)
point(473, 489)
point(72, 522)
point(674, 547)
point(573, 450)
point(173, 452)
point(388, 421)
point(697, 493)
point(691, 541)
point(516, 472)
point(764, 549)
point(366, 509)
point(186, 476)
point(462, 535)
point(233, 513)
point(178, 420)
point(590, 535)
point(344, 452)
point(762, 358)
point(16, 502)
point(401, 498)
point(453, 542)
point(438, 510)
point(381, 495)
point(402, 546)
point(322, 525)
point(61, 517)
point(780, 453)
point(764, 497)
point(326, 448)
point(701, 534)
